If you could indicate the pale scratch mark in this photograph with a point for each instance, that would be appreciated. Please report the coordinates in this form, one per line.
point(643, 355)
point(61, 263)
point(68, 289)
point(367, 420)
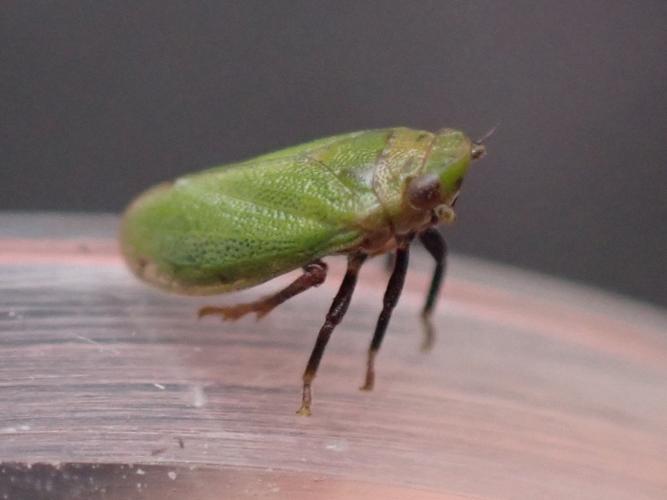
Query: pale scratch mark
point(100, 346)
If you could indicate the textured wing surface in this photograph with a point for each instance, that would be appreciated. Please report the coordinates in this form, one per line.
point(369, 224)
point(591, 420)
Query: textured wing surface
point(235, 226)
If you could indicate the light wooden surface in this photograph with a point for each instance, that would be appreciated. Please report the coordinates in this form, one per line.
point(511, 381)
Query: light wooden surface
point(535, 388)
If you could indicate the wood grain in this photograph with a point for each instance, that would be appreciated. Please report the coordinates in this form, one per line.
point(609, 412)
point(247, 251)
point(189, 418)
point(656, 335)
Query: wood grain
point(535, 388)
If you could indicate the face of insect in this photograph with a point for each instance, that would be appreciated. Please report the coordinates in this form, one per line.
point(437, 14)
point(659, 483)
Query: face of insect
point(448, 161)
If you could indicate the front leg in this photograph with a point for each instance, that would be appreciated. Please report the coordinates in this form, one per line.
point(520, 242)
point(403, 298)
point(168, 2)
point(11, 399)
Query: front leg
point(314, 274)
point(435, 245)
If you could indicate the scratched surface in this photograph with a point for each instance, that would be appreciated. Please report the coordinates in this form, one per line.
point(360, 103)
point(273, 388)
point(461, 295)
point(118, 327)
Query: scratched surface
point(535, 388)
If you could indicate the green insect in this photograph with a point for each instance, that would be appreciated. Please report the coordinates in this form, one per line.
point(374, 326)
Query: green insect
point(359, 194)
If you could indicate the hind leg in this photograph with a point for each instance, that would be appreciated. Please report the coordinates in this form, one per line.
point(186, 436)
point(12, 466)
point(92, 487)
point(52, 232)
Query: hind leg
point(314, 274)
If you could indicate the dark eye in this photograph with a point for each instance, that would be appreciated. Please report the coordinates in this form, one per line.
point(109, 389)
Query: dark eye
point(424, 192)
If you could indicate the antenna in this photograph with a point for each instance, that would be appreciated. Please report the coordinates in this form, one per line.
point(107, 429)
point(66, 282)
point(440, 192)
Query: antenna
point(488, 134)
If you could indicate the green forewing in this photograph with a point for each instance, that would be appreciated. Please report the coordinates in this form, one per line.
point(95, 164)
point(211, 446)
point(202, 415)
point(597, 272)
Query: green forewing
point(241, 224)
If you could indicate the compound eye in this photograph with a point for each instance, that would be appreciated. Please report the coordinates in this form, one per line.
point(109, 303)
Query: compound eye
point(424, 192)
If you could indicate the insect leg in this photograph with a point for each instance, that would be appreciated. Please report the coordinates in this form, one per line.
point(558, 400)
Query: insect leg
point(336, 312)
point(314, 274)
point(391, 296)
point(389, 262)
point(437, 247)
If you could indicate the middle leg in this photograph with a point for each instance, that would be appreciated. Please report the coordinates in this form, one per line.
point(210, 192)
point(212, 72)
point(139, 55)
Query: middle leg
point(390, 299)
point(336, 312)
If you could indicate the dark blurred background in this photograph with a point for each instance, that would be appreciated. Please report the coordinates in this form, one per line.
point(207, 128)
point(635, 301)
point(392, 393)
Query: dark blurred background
point(101, 99)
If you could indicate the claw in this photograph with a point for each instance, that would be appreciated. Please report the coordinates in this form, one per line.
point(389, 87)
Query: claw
point(369, 383)
point(368, 386)
point(306, 399)
point(304, 411)
point(429, 334)
point(230, 312)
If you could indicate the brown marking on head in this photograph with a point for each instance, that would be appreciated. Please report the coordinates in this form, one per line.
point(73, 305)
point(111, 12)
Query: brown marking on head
point(424, 192)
